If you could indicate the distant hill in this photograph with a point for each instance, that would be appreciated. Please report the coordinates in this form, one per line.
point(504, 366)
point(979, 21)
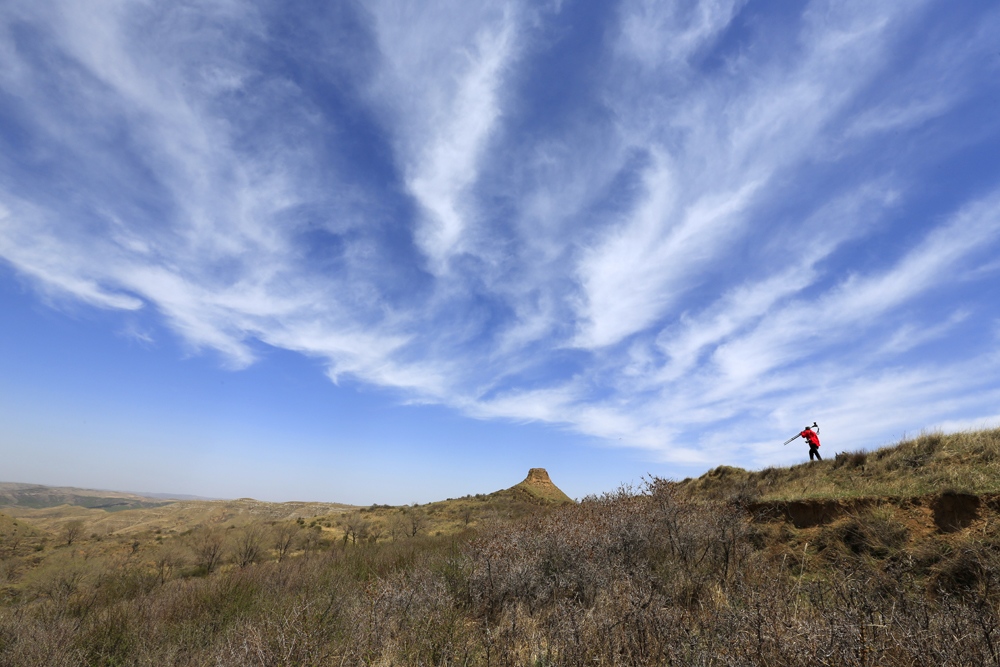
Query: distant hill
point(173, 516)
point(176, 496)
point(108, 512)
point(37, 496)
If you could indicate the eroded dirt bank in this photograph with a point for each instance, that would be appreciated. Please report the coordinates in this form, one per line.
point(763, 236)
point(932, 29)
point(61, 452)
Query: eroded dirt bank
point(943, 513)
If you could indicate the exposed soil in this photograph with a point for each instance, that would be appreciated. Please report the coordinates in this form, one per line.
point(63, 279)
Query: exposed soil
point(955, 511)
point(943, 513)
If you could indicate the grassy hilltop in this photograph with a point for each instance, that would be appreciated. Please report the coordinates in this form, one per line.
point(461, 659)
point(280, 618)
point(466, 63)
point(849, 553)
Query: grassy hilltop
point(888, 558)
point(967, 462)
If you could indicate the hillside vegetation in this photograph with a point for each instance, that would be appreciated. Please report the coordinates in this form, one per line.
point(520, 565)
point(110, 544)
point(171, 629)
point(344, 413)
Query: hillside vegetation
point(701, 572)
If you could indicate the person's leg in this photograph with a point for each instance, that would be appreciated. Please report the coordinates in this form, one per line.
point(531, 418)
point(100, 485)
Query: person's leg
point(814, 450)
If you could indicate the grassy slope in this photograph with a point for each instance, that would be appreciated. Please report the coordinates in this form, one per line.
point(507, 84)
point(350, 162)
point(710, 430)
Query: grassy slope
point(967, 462)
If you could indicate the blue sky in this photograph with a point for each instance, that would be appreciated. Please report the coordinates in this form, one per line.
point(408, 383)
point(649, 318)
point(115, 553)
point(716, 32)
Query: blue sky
point(401, 251)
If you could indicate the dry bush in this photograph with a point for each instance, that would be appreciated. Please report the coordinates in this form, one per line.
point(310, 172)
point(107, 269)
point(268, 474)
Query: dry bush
point(356, 527)
point(60, 580)
point(415, 521)
point(249, 545)
point(109, 636)
point(208, 545)
point(284, 537)
point(168, 559)
point(72, 531)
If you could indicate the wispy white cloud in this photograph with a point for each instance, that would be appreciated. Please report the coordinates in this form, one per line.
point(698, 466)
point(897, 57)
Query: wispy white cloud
point(698, 197)
point(910, 336)
point(804, 328)
point(59, 268)
point(657, 33)
point(443, 80)
point(671, 260)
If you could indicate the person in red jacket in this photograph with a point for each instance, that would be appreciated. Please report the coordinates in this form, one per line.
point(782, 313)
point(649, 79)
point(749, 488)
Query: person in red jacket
point(813, 439)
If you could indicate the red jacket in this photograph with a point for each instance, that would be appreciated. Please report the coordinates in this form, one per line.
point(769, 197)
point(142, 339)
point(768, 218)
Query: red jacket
point(811, 436)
